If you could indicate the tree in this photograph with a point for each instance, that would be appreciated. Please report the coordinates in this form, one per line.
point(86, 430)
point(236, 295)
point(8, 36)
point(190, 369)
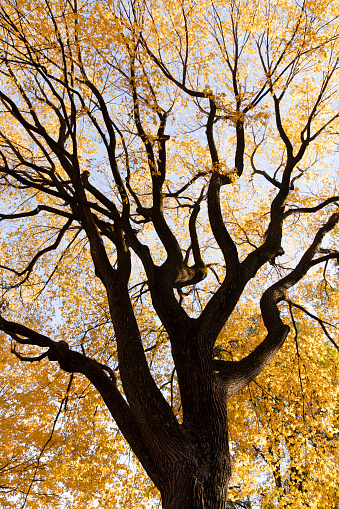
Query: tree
point(166, 168)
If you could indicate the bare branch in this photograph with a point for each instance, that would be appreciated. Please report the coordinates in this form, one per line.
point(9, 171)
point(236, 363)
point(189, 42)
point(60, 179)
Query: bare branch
point(321, 322)
point(310, 210)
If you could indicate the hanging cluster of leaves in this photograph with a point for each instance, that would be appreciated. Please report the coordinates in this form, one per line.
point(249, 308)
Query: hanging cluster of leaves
point(169, 210)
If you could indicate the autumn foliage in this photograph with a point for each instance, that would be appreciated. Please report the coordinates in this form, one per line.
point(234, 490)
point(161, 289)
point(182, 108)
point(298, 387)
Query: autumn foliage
point(169, 250)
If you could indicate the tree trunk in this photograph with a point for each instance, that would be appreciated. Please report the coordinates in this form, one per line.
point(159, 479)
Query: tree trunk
point(199, 484)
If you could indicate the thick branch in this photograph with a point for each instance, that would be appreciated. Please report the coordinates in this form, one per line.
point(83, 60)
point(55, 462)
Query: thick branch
point(238, 374)
point(75, 362)
point(219, 230)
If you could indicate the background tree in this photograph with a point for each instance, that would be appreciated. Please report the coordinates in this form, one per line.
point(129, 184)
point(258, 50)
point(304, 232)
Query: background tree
point(167, 170)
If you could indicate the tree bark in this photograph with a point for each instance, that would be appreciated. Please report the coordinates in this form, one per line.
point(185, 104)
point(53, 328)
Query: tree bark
point(199, 478)
point(198, 484)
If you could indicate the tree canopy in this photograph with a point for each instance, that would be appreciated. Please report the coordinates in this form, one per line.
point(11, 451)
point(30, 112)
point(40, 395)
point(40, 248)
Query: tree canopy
point(169, 213)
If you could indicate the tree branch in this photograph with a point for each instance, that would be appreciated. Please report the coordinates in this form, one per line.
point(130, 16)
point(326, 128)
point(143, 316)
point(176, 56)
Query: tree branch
point(309, 210)
point(236, 375)
point(319, 320)
point(75, 362)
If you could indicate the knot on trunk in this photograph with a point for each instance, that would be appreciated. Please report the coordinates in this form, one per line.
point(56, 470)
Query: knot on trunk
point(190, 276)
